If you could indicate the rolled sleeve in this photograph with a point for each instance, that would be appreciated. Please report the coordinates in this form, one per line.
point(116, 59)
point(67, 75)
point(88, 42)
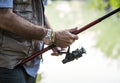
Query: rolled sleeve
point(6, 3)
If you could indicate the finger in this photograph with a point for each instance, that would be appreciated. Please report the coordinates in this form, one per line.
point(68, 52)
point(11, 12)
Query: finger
point(73, 29)
point(55, 54)
point(57, 51)
point(74, 37)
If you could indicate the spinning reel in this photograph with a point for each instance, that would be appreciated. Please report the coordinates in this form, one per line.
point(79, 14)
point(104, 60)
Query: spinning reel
point(73, 55)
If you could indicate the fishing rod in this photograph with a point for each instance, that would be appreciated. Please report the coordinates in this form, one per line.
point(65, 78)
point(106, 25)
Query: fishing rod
point(78, 52)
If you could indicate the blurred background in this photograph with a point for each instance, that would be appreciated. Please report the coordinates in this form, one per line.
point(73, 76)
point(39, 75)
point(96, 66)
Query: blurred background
point(101, 64)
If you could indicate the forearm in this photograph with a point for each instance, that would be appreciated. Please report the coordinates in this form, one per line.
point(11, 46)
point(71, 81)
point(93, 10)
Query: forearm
point(18, 25)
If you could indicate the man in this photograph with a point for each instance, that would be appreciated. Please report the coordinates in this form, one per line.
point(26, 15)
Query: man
point(22, 28)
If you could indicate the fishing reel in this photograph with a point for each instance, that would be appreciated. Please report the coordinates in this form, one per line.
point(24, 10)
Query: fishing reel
point(73, 55)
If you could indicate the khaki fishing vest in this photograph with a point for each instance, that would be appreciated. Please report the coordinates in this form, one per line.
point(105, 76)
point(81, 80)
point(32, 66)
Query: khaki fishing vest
point(13, 48)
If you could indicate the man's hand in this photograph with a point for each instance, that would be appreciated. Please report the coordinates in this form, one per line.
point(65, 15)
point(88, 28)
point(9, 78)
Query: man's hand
point(65, 38)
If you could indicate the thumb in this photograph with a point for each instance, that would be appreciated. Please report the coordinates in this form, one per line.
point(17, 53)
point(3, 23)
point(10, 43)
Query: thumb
point(73, 29)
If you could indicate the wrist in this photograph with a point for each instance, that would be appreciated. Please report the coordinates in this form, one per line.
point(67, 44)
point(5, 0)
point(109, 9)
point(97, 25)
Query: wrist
point(49, 38)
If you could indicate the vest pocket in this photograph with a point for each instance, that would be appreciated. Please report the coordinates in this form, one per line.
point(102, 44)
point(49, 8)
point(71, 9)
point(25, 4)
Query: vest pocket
point(15, 47)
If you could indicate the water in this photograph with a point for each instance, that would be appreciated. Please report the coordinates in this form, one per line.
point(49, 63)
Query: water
point(93, 67)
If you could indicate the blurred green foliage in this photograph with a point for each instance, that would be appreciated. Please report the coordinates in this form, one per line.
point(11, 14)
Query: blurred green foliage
point(38, 78)
point(114, 3)
point(104, 4)
point(108, 40)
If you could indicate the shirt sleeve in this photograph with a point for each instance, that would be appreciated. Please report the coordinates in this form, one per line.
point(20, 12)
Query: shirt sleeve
point(6, 3)
point(45, 2)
